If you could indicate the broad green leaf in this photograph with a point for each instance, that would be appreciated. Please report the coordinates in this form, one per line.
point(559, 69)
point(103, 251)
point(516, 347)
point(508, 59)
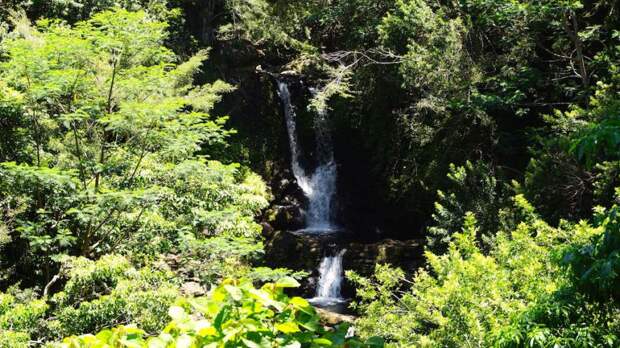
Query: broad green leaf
point(375, 341)
point(288, 327)
point(299, 302)
point(322, 341)
point(287, 282)
point(221, 318)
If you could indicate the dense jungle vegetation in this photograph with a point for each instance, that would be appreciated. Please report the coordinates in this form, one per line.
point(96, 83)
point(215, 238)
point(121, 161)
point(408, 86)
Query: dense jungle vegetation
point(140, 147)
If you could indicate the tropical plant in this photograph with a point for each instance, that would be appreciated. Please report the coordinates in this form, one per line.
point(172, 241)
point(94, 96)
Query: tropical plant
point(234, 314)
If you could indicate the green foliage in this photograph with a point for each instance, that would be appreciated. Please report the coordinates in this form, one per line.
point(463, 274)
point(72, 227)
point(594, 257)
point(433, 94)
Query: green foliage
point(433, 57)
point(101, 127)
point(23, 317)
point(473, 188)
point(600, 139)
point(595, 262)
point(9, 338)
point(261, 22)
point(234, 314)
point(110, 291)
point(538, 286)
point(74, 10)
point(465, 296)
point(96, 295)
point(563, 195)
point(607, 180)
point(111, 129)
point(583, 154)
point(209, 260)
point(433, 83)
point(584, 312)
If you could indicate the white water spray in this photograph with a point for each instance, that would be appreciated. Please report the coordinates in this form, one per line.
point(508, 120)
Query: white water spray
point(320, 187)
point(330, 279)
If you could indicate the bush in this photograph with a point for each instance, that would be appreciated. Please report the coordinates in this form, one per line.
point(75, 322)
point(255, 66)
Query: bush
point(9, 338)
point(234, 314)
point(96, 295)
point(465, 297)
point(585, 311)
point(109, 291)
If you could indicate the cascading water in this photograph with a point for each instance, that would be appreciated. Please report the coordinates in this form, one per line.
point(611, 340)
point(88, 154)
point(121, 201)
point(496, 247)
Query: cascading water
point(319, 189)
point(291, 127)
point(330, 280)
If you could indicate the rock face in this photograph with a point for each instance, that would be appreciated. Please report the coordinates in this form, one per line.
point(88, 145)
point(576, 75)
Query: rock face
point(285, 215)
point(293, 251)
point(404, 254)
point(304, 252)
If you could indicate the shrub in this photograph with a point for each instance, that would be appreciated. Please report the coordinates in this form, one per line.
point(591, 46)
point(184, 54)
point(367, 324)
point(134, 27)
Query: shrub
point(109, 291)
point(465, 296)
point(234, 314)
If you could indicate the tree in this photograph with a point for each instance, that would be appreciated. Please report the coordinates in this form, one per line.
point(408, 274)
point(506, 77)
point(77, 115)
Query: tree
point(110, 127)
point(473, 188)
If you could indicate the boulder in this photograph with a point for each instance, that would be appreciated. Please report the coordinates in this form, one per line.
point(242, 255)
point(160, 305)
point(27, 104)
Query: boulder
point(192, 289)
point(330, 318)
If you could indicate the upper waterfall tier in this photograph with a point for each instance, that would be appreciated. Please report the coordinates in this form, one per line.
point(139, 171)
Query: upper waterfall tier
point(320, 186)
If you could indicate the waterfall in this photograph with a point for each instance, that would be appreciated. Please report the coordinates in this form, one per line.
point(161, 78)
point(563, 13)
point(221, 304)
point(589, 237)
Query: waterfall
point(291, 127)
point(330, 278)
point(319, 187)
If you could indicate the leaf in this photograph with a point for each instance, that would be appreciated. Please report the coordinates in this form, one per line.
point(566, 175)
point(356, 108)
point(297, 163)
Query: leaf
point(250, 344)
point(287, 282)
point(375, 341)
point(204, 328)
point(129, 344)
point(221, 318)
point(287, 328)
point(310, 323)
point(265, 299)
point(299, 302)
point(322, 341)
point(303, 305)
point(207, 331)
point(234, 292)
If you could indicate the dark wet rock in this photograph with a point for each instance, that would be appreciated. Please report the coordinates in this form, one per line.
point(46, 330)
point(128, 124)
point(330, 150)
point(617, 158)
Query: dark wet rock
point(267, 229)
point(299, 251)
point(363, 257)
point(280, 216)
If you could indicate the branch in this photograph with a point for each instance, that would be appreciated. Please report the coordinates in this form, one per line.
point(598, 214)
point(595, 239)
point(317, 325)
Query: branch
point(50, 284)
point(109, 111)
